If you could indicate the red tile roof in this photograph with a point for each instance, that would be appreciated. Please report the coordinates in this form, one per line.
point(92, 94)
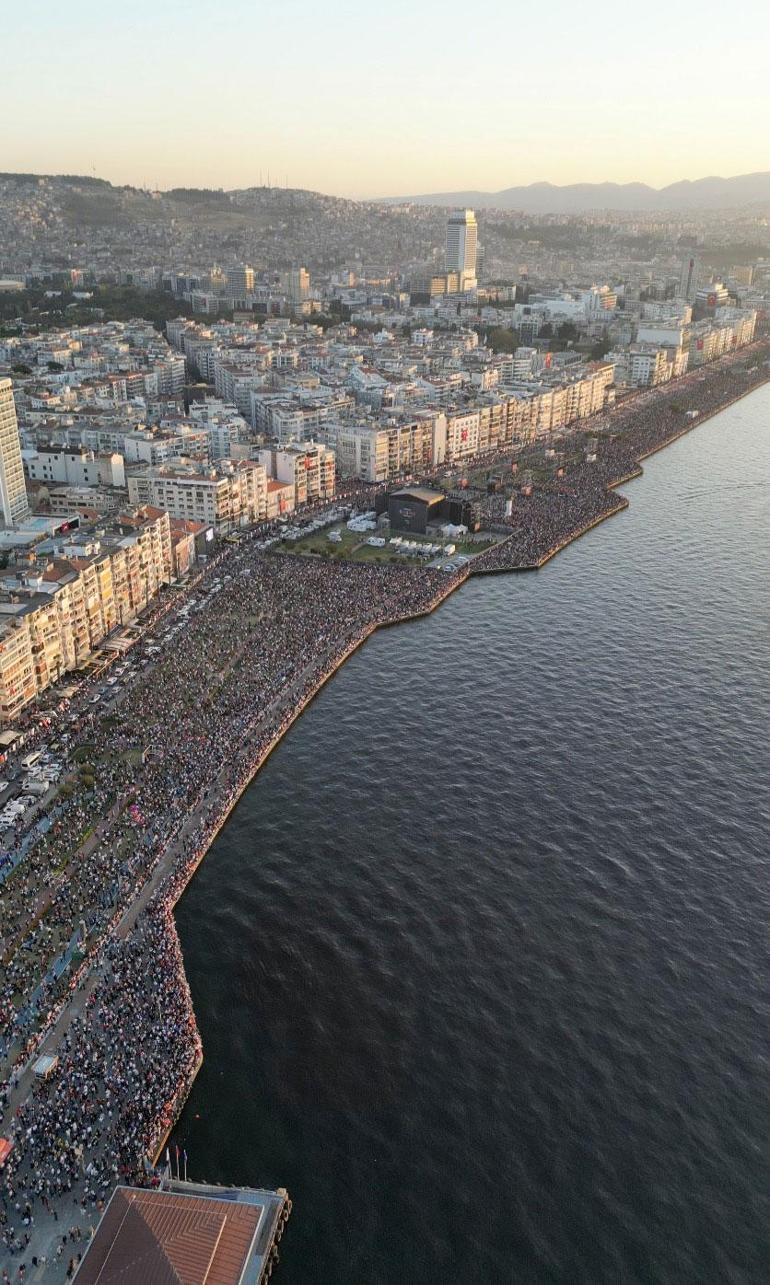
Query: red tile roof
point(166, 1238)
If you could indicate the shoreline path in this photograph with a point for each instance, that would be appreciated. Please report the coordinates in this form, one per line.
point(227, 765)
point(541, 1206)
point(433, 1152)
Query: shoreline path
point(240, 654)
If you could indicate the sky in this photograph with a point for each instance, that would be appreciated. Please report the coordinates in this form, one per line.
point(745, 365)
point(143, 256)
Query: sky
point(394, 98)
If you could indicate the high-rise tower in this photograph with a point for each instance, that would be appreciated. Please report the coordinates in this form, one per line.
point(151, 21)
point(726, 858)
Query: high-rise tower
point(461, 241)
point(13, 491)
point(240, 279)
point(689, 277)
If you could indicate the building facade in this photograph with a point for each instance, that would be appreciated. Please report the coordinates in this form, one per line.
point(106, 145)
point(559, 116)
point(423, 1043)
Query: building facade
point(55, 613)
point(461, 242)
point(13, 491)
point(230, 496)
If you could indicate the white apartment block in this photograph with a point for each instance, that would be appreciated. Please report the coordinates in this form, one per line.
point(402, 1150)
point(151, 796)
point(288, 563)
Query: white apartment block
point(378, 452)
point(55, 614)
point(462, 435)
point(648, 366)
point(75, 468)
point(13, 491)
point(461, 246)
point(230, 496)
point(280, 499)
point(662, 334)
point(309, 468)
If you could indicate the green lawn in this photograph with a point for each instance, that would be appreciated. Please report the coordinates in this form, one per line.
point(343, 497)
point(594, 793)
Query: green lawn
point(353, 547)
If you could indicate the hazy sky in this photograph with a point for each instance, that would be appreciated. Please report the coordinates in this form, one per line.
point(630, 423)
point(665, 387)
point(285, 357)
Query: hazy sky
point(397, 97)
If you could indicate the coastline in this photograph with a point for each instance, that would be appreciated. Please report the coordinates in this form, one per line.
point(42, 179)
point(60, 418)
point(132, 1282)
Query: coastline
point(249, 772)
point(176, 862)
point(179, 880)
point(621, 502)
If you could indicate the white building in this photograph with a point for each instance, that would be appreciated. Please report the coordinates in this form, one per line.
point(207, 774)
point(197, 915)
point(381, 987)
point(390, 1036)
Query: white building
point(297, 285)
point(74, 467)
point(662, 334)
point(240, 280)
point(227, 497)
point(310, 469)
point(13, 491)
point(689, 277)
point(461, 244)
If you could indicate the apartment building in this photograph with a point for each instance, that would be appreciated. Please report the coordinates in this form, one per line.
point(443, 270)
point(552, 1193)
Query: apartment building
point(648, 366)
point(380, 451)
point(286, 419)
point(13, 491)
point(280, 499)
point(227, 496)
point(75, 468)
point(224, 426)
point(240, 279)
point(82, 586)
point(309, 468)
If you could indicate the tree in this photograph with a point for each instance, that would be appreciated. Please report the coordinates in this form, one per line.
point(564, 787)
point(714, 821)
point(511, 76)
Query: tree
point(54, 366)
point(502, 340)
point(20, 369)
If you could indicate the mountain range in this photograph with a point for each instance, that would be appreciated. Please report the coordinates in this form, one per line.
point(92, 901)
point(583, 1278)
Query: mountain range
point(575, 198)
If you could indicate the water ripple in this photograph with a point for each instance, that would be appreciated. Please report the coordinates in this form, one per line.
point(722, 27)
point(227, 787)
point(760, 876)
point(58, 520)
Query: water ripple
point(481, 962)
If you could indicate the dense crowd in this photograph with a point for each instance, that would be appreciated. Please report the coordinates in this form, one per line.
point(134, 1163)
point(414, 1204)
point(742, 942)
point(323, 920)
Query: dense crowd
point(257, 636)
point(237, 649)
point(565, 506)
point(228, 668)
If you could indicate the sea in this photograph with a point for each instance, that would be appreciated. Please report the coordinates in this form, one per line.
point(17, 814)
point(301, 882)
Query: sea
point(481, 962)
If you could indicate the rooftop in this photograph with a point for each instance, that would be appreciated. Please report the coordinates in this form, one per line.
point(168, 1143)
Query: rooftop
point(186, 1235)
point(421, 493)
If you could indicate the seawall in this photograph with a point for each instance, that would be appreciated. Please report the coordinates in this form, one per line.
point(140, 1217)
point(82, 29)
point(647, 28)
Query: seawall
point(612, 484)
point(211, 817)
point(182, 876)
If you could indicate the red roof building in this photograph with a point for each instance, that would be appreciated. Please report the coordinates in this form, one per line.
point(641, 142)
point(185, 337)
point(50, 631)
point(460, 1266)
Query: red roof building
point(187, 1235)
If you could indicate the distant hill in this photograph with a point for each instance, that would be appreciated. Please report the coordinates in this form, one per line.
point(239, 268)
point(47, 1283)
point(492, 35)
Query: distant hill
point(50, 218)
point(576, 198)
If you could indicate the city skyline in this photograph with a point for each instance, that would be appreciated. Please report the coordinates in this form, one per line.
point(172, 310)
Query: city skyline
point(379, 104)
point(242, 434)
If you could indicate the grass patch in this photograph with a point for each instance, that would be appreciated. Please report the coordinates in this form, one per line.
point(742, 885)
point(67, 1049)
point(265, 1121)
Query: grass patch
point(353, 547)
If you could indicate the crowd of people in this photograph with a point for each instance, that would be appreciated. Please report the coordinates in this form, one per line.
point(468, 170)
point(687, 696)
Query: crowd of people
point(238, 647)
point(239, 659)
point(228, 668)
point(564, 506)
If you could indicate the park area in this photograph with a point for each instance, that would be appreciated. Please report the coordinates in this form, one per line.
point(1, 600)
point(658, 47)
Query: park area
point(400, 547)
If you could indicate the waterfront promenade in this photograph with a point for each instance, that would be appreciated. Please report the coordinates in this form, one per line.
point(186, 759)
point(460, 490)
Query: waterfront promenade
point(261, 635)
point(557, 513)
point(129, 1037)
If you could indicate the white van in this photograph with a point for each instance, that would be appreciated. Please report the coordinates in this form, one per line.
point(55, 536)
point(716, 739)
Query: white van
point(31, 759)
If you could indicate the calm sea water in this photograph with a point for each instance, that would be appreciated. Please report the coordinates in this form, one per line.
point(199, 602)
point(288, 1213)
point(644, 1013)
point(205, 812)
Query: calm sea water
point(482, 961)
